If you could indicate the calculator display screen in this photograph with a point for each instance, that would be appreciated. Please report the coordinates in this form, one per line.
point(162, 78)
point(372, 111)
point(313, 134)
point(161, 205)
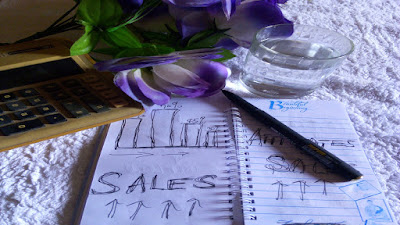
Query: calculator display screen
point(38, 73)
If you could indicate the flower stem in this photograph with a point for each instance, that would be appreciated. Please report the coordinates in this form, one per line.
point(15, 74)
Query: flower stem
point(59, 26)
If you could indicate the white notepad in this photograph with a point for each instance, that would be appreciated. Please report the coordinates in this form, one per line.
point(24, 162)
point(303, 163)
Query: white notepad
point(203, 161)
point(172, 165)
point(280, 185)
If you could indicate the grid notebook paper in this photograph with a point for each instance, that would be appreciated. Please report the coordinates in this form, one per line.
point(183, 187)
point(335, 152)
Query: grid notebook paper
point(203, 161)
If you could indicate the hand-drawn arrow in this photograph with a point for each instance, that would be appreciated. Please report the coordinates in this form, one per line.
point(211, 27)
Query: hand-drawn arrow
point(167, 207)
point(179, 153)
point(195, 201)
point(139, 154)
point(139, 205)
point(114, 203)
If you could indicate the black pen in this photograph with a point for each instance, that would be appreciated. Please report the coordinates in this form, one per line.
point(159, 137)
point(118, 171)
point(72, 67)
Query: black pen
point(332, 162)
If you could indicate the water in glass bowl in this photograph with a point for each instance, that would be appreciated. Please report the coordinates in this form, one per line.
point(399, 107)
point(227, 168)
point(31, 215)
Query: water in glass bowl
point(287, 68)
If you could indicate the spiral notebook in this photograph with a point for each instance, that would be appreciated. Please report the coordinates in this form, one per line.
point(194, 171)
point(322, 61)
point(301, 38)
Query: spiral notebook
point(203, 161)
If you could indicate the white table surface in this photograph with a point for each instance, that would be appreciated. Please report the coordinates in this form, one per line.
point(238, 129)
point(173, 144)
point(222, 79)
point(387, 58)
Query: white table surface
point(40, 183)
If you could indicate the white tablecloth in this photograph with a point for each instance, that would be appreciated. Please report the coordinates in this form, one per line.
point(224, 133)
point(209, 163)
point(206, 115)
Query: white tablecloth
point(40, 183)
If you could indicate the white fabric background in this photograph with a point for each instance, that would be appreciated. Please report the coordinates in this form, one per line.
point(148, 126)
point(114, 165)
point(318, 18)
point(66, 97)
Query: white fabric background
point(40, 183)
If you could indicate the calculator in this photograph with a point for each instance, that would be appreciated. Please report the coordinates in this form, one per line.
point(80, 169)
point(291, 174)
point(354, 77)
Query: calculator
point(45, 92)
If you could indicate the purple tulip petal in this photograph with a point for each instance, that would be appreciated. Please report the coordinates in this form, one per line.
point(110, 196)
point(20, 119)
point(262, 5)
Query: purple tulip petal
point(179, 76)
point(193, 23)
point(227, 43)
point(130, 6)
point(277, 1)
point(184, 91)
point(229, 7)
point(249, 18)
point(192, 3)
point(126, 81)
point(116, 65)
point(203, 53)
point(214, 73)
point(150, 89)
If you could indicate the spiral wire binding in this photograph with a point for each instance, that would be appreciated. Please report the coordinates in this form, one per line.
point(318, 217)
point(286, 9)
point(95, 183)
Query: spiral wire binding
point(232, 166)
point(243, 166)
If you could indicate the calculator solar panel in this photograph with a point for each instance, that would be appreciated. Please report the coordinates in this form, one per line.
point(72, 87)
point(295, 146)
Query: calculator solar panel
point(45, 93)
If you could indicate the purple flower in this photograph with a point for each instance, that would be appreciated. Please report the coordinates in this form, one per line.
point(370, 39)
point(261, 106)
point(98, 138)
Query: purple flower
point(192, 78)
point(129, 6)
point(248, 19)
point(126, 63)
point(228, 6)
point(189, 78)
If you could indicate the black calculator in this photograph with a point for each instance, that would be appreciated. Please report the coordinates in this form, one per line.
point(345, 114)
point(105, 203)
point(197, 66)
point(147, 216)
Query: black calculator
point(45, 93)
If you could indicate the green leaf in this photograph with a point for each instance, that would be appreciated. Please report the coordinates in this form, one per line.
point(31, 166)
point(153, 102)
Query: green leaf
point(86, 43)
point(146, 50)
point(226, 56)
point(169, 39)
point(122, 37)
point(205, 39)
point(100, 13)
point(108, 51)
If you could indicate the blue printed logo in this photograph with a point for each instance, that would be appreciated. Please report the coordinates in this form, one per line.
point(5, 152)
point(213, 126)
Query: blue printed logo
point(284, 106)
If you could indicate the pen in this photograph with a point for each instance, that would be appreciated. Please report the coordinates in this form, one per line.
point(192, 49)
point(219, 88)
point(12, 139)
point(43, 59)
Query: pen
point(319, 153)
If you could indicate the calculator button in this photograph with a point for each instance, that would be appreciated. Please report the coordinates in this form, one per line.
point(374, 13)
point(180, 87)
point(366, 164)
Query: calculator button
point(21, 127)
point(46, 109)
point(14, 106)
point(80, 91)
point(7, 97)
point(26, 114)
point(90, 78)
point(99, 86)
point(51, 87)
point(55, 118)
point(76, 109)
point(71, 83)
point(39, 100)
point(95, 104)
point(4, 119)
point(61, 95)
point(108, 94)
point(29, 92)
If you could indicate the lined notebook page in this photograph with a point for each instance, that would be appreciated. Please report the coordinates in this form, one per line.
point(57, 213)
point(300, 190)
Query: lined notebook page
point(168, 166)
point(280, 185)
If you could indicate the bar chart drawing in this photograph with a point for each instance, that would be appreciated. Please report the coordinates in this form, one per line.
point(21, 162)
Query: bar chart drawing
point(190, 126)
point(162, 120)
point(166, 128)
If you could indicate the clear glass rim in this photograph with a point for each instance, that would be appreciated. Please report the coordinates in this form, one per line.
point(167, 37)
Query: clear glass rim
point(309, 58)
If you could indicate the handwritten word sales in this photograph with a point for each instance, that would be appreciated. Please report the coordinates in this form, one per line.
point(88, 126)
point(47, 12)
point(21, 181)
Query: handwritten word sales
point(203, 182)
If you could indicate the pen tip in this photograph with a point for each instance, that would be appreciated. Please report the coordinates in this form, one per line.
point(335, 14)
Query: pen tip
point(225, 92)
point(358, 178)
